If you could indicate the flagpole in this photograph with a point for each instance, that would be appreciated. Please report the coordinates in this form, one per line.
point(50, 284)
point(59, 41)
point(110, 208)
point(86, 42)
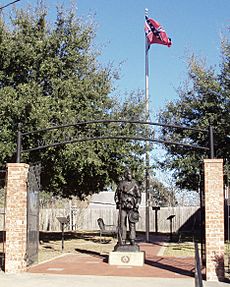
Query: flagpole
point(147, 143)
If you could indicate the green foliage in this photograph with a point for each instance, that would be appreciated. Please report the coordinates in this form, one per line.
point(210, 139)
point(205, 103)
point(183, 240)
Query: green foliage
point(160, 195)
point(203, 101)
point(49, 75)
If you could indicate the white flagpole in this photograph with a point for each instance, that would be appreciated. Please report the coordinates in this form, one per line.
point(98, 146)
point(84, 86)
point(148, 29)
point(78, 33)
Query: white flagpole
point(147, 143)
point(146, 74)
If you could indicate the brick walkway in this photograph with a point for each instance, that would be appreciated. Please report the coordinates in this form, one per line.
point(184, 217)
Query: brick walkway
point(92, 263)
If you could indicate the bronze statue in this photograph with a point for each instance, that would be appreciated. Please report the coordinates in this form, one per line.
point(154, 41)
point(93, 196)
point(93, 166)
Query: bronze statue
point(127, 198)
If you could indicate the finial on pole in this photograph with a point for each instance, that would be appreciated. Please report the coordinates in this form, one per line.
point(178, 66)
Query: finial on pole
point(146, 12)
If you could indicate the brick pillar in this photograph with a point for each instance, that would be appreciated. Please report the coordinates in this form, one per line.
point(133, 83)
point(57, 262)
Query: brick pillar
point(16, 217)
point(214, 219)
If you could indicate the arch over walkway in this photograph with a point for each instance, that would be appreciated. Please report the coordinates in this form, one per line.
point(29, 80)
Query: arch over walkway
point(17, 178)
point(104, 130)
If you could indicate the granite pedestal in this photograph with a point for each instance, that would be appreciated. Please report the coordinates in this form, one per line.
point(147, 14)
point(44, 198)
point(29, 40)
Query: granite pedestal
point(127, 255)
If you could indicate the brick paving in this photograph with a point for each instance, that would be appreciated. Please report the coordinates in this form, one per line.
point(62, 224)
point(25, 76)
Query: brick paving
point(92, 263)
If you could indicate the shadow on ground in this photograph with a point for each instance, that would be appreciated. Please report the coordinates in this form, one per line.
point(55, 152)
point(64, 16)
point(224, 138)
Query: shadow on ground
point(68, 235)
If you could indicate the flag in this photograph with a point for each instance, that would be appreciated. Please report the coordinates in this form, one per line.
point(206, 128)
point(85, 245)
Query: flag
point(155, 34)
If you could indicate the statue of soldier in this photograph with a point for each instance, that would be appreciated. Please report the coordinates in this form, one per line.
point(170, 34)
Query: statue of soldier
point(127, 199)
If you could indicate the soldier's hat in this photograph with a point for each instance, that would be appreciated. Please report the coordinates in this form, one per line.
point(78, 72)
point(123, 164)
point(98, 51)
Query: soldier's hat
point(134, 216)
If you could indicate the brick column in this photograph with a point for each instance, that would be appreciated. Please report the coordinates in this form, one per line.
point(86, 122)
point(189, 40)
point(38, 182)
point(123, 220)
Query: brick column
point(214, 219)
point(16, 217)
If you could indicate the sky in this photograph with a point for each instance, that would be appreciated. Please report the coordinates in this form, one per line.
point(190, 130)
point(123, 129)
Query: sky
point(194, 27)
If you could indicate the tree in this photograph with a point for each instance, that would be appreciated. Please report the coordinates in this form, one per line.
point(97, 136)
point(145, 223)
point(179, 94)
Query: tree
point(49, 75)
point(204, 100)
point(160, 195)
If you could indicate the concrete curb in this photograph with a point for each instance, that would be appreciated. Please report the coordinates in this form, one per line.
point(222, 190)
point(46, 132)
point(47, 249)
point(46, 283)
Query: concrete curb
point(162, 250)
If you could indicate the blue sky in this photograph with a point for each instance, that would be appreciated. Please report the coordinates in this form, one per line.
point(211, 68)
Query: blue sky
point(194, 26)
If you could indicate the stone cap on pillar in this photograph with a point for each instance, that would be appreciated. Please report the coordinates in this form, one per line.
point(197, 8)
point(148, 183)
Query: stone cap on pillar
point(216, 160)
point(14, 164)
point(17, 170)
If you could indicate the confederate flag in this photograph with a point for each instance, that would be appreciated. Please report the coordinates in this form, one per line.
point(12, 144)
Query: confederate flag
point(155, 33)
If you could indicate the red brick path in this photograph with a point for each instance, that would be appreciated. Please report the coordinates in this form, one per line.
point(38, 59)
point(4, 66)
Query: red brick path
point(96, 264)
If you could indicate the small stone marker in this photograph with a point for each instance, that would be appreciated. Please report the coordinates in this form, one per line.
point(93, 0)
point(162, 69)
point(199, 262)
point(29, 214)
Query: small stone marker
point(126, 258)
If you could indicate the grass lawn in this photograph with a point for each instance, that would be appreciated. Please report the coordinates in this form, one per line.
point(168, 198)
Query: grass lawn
point(74, 242)
point(50, 245)
point(182, 245)
point(180, 249)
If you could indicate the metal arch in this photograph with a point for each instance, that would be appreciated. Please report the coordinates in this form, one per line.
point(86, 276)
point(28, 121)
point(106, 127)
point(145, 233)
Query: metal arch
point(115, 121)
point(114, 137)
point(103, 135)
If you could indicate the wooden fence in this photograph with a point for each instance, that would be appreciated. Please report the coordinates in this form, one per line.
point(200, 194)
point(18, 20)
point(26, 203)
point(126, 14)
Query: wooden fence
point(86, 218)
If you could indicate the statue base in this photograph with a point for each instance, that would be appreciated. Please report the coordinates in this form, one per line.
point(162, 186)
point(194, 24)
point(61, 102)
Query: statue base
point(126, 248)
point(124, 258)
